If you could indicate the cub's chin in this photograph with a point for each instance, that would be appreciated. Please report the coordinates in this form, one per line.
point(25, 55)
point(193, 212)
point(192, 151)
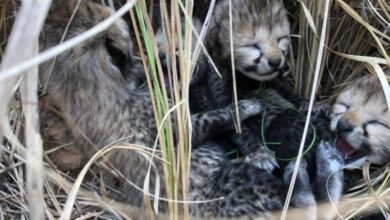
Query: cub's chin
point(261, 76)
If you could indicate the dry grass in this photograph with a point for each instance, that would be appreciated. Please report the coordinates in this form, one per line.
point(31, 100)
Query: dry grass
point(354, 38)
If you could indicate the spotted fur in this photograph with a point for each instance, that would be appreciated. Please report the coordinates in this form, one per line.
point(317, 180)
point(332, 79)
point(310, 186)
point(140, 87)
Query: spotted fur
point(283, 124)
point(283, 120)
point(260, 43)
point(361, 117)
point(239, 189)
point(90, 90)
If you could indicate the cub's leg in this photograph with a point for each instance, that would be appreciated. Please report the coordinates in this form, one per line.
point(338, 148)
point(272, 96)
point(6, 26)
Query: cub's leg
point(328, 185)
point(255, 154)
point(247, 142)
point(199, 99)
point(302, 197)
point(207, 124)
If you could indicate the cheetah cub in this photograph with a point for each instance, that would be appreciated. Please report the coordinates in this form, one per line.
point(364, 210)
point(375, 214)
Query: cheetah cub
point(361, 117)
point(260, 44)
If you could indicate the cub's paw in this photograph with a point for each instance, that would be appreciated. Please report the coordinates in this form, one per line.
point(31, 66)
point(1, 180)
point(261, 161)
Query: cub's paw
point(302, 183)
point(263, 159)
point(248, 108)
point(303, 196)
point(329, 159)
point(330, 175)
point(322, 109)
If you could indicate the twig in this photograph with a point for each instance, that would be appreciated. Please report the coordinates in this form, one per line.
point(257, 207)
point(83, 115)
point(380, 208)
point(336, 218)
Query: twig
point(33, 143)
point(23, 44)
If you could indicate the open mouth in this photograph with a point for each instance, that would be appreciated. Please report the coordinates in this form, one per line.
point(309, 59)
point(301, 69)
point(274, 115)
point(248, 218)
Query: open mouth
point(350, 154)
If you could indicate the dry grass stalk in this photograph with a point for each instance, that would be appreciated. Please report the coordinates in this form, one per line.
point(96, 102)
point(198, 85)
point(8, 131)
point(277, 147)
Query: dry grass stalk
point(310, 19)
point(23, 44)
point(351, 40)
point(20, 45)
point(180, 38)
point(149, 79)
point(7, 13)
point(33, 141)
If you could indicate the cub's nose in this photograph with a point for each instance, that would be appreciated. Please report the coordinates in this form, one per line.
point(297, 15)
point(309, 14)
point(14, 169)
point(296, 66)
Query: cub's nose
point(344, 126)
point(274, 63)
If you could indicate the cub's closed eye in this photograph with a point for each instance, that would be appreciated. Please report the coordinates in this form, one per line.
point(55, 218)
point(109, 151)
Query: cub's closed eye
point(252, 46)
point(375, 122)
point(340, 108)
point(344, 105)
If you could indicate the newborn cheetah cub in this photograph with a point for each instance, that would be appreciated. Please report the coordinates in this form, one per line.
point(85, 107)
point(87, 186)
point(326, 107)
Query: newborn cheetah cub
point(260, 44)
point(260, 36)
point(361, 117)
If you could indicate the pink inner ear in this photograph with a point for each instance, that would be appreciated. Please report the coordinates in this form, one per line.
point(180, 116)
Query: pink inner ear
point(345, 148)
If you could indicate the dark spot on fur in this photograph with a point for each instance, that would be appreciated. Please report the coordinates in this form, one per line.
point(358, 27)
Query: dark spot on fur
point(118, 58)
point(251, 68)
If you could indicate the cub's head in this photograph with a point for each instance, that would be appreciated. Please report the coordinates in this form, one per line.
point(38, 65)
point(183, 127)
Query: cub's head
point(260, 36)
point(361, 117)
point(164, 53)
point(108, 55)
point(163, 43)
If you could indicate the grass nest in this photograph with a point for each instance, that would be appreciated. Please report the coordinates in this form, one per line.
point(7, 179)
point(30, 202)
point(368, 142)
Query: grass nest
point(322, 61)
